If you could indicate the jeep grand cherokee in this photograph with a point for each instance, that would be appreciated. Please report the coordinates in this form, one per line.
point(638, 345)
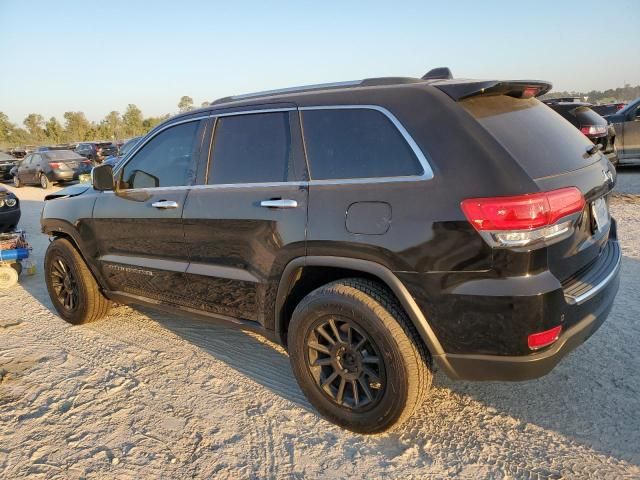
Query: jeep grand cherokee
point(376, 229)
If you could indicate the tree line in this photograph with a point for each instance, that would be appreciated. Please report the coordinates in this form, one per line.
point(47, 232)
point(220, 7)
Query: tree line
point(75, 127)
point(612, 95)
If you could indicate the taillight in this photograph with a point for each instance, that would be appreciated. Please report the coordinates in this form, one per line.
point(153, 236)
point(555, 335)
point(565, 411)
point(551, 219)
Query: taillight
point(530, 92)
point(55, 164)
point(593, 130)
point(524, 219)
point(544, 339)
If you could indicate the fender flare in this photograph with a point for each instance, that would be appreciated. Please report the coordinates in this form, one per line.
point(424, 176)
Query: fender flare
point(387, 277)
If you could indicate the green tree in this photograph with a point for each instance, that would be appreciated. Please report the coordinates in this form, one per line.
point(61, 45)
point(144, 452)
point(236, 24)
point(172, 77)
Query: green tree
point(111, 126)
point(76, 126)
point(132, 121)
point(35, 126)
point(54, 131)
point(151, 122)
point(185, 104)
point(6, 130)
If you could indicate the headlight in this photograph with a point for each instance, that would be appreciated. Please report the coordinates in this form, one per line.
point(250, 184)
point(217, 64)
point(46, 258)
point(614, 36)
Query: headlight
point(10, 202)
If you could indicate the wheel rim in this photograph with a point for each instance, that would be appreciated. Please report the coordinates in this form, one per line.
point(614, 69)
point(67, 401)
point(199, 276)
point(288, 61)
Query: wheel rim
point(16, 181)
point(345, 363)
point(43, 181)
point(64, 284)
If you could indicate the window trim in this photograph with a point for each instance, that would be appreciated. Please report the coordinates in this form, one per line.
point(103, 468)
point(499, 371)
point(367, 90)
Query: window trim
point(427, 171)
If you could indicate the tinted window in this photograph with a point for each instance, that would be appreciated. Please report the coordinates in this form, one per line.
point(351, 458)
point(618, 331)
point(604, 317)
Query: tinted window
point(252, 149)
point(62, 155)
point(541, 141)
point(356, 143)
point(167, 160)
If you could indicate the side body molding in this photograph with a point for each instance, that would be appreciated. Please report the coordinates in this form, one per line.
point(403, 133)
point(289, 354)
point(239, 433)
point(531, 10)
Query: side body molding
point(384, 274)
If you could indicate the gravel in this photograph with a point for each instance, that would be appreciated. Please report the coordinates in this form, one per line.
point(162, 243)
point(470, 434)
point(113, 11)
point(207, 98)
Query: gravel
point(145, 394)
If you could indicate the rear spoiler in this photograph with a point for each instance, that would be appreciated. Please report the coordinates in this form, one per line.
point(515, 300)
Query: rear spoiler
point(461, 89)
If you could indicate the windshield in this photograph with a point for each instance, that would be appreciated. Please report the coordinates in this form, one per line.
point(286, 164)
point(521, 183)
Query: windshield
point(538, 138)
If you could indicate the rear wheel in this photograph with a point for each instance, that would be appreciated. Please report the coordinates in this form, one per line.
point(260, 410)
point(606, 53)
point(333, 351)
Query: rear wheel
point(357, 357)
point(73, 290)
point(44, 181)
point(16, 181)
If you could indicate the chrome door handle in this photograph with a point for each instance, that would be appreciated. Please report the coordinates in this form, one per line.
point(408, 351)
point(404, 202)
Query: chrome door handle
point(279, 203)
point(165, 204)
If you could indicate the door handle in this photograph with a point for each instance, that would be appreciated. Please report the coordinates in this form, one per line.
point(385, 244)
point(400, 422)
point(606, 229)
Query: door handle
point(165, 204)
point(282, 203)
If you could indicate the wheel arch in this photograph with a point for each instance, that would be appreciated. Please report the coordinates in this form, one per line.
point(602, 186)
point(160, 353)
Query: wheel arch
point(347, 267)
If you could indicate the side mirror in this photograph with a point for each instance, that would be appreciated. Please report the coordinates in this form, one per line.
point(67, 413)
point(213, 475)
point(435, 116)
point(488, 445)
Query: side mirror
point(102, 178)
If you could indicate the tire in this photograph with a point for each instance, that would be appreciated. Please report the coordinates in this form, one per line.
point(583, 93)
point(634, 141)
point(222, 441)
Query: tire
point(8, 277)
point(392, 363)
point(44, 181)
point(16, 181)
point(73, 291)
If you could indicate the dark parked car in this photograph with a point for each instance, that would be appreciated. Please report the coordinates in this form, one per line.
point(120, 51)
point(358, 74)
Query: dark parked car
point(9, 210)
point(375, 228)
point(627, 124)
point(608, 109)
point(96, 151)
point(53, 166)
point(7, 162)
point(126, 147)
point(593, 126)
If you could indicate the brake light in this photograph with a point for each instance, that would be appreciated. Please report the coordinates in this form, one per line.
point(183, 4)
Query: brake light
point(524, 219)
point(593, 130)
point(544, 339)
point(55, 164)
point(530, 92)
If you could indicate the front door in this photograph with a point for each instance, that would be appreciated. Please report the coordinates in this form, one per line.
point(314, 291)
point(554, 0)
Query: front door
point(631, 148)
point(248, 219)
point(138, 228)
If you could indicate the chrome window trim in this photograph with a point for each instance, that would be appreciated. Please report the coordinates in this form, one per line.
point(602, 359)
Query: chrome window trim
point(222, 186)
point(250, 112)
point(427, 171)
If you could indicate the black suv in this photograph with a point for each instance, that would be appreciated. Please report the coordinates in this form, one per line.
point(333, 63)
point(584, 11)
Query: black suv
point(375, 228)
point(96, 151)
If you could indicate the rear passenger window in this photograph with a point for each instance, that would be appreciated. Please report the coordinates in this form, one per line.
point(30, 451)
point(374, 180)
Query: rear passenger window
point(254, 148)
point(356, 143)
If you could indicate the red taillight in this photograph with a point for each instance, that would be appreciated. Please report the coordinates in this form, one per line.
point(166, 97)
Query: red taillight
point(523, 212)
point(620, 106)
point(88, 162)
point(544, 339)
point(593, 130)
point(55, 164)
point(530, 92)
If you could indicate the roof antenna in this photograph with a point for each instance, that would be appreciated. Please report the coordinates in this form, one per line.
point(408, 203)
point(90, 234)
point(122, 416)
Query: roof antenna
point(440, 73)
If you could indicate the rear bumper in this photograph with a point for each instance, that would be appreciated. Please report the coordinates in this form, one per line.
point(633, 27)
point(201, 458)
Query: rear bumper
point(66, 176)
point(483, 325)
point(535, 365)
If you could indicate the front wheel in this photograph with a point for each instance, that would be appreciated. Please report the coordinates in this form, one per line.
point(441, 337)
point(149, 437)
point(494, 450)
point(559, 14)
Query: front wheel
point(16, 181)
point(72, 289)
point(44, 181)
point(357, 357)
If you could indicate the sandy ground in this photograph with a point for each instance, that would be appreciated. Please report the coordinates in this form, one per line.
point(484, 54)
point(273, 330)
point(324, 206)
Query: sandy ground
point(143, 394)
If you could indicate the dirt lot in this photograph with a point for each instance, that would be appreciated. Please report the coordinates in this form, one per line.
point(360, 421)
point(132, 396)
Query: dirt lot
point(143, 394)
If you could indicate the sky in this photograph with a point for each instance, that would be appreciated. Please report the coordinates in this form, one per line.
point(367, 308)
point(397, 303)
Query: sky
point(99, 56)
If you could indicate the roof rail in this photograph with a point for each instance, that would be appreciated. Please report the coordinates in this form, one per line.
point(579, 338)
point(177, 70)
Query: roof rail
point(318, 86)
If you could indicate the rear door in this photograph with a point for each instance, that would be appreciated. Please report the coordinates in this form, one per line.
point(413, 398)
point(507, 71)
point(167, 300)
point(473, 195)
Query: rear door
point(631, 133)
point(138, 228)
point(24, 169)
point(248, 219)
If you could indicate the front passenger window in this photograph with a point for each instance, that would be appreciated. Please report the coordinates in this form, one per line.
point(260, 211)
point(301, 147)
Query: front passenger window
point(167, 160)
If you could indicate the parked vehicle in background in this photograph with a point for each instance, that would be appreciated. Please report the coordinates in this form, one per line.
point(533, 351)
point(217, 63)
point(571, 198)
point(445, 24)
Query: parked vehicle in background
point(126, 147)
point(46, 148)
point(7, 163)
point(18, 152)
point(53, 166)
point(593, 126)
point(627, 124)
point(96, 151)
point(608, 109)
point(372, 227)
point(9, 210)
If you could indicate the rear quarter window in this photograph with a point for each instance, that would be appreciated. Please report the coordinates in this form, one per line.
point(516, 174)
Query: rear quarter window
point(538, 138)
point(348, 143)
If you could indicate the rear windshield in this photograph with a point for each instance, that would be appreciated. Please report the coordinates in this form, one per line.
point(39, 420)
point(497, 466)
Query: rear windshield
point(586, 116)
point(62, 155)
point(540, 140)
